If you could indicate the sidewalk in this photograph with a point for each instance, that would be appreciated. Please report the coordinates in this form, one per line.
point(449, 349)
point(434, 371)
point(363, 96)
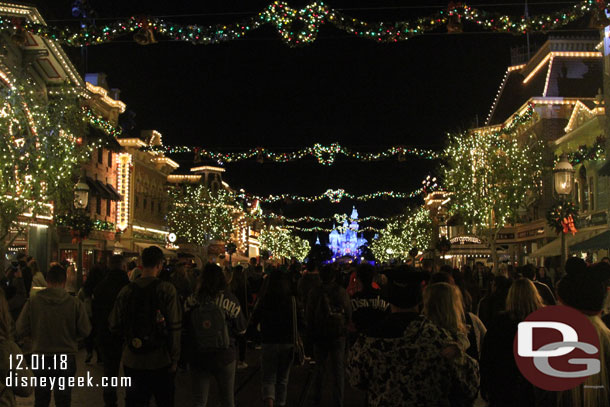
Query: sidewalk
point(247, 386)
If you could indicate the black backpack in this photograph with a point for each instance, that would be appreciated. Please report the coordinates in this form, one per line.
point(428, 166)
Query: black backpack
point(145, 328)
point(210, 330)
point(330, 317)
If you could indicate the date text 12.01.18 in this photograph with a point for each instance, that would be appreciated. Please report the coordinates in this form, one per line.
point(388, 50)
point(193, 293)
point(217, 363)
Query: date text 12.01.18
point(57, 361)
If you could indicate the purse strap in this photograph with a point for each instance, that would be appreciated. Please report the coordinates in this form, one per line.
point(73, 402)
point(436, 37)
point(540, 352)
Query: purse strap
point(294, 321)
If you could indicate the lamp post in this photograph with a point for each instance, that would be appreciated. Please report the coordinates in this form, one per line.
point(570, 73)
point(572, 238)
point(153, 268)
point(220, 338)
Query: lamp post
point(563, 180)
point(81, 199)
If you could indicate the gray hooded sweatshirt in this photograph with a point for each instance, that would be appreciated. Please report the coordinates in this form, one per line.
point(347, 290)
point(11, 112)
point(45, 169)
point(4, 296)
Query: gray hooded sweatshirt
point(54, 320)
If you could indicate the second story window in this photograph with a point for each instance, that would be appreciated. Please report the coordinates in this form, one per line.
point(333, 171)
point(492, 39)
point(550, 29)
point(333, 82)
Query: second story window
point(100, 155)
point(144, 204)
point(108, 208)
point(98, 205)
point(109, 159)
point(137, 202)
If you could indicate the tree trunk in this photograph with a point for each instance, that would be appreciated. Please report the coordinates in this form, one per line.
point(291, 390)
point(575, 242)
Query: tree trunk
point(492, 247)
point(3, 251)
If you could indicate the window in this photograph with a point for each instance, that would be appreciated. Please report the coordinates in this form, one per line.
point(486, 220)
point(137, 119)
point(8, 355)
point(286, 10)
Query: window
point(144, 204)
point(137, 202)
point(152, 206)
point(108, 208)
point(109, 159)
point(98, 205)
point(159, 208)
point(100, 155)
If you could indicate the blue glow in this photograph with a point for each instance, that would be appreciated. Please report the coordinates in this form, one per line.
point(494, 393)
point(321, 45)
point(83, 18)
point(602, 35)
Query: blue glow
point(348, 242)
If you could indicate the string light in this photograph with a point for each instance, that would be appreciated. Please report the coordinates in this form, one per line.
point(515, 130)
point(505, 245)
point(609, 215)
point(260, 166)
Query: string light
point(339, 218)
point(301, 27)
point(585, 153)
point(325, 155)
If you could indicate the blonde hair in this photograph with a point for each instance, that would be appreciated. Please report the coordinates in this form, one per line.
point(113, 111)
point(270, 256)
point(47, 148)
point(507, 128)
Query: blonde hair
point(523, 298)
point(6, 321)
point(594, 391)
point(444, 306)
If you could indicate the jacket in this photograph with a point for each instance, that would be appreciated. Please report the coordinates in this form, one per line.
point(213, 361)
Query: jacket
point(8, 350)
point(403, 366)
point(170, 308)
point(103, 299)
point(338, 298)
point(368, 308)
point(54, 320)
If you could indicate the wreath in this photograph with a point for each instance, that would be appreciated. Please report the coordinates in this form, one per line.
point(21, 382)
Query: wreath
point(561, 216)
point(79, 223)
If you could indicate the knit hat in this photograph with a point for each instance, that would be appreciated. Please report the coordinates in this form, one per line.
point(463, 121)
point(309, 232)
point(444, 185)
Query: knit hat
point(405, 287)
point(584, 288)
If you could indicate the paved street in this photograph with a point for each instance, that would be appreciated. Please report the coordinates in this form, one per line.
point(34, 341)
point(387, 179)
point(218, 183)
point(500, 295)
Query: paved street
point(247, 387)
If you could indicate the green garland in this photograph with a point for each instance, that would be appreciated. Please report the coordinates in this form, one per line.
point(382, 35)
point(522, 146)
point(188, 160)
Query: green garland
point(79, 223)
point(585, 153)
point(103, 226)
point(562, 209)
point(301, 27)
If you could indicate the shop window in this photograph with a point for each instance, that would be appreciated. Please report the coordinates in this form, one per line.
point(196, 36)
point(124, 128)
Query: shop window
point(98, 205)
point(100, 155)
point(109, 159)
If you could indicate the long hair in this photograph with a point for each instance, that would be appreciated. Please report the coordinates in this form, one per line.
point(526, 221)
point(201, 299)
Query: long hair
point(6, 321)
point(211, 282)
point(523, 299)
point(444, 306)
point(594, 391)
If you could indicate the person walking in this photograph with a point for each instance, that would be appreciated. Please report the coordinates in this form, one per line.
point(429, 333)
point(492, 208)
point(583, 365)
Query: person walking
point(275, 315)
point(9, 353)
point(110, 345)
point(502, 385)
point(147, 315)
point(55, 321)
point(328, 314)
point(213, 318)
point(408, 360)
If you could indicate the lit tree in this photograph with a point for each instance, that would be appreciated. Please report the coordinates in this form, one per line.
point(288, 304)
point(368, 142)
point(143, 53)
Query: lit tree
point(282, 244)
point(40, 151)
point(197, 215)
point(489, 176)
point(403, 234)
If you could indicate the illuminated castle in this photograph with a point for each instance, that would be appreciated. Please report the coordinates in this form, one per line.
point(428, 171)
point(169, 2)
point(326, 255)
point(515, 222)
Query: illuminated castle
point(349, 241)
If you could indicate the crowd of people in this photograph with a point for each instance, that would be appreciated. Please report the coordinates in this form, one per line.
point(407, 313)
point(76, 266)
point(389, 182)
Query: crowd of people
point(406, 336)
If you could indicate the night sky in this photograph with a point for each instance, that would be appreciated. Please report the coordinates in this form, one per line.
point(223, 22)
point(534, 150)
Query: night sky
point(259, 92)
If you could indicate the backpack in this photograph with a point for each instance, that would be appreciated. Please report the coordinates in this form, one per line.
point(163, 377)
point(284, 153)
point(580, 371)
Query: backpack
point(210, 330)
point(330, 317)
point(145, 323)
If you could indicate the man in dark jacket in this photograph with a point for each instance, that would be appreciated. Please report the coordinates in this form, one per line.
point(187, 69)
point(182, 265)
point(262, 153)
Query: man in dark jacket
point(150, 360)
point(328, 313)
point(55, 321)
point(529, 272)
point(103, 300)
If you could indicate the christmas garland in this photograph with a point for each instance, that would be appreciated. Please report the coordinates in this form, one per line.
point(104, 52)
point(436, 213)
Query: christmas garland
point(103, 226)
point(334, 195)
point(585, 153)
point(560, 215)
point(301, 27)
point(340, 229)
point(101, 124)
point(325, 155)
point(339, 218)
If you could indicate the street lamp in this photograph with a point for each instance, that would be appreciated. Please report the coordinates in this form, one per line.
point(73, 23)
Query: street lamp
point(563, 179)
point(81, 199)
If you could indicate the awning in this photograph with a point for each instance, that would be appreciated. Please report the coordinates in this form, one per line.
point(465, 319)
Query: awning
point(115, 193)
point(601, 241)
point(163, 249)
point(96, 188)
point(554, 248)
